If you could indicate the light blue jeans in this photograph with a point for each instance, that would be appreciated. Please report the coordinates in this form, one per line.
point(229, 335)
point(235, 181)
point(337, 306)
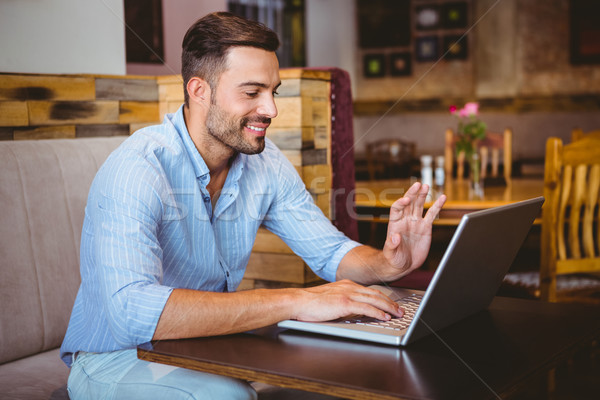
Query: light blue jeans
point(121, 375)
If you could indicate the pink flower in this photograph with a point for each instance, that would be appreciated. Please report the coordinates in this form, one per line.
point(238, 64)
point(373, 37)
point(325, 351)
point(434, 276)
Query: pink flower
point(469, 109)
point(453, 109)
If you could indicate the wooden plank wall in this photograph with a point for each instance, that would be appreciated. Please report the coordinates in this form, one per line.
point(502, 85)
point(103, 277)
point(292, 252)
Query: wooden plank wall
point(302, 130)
point(73, 106)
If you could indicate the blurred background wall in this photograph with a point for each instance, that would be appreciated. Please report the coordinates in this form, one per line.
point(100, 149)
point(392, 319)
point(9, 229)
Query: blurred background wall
point(517, 65)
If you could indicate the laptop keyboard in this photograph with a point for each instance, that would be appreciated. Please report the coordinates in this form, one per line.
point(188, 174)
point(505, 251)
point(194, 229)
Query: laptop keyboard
point(410, 304)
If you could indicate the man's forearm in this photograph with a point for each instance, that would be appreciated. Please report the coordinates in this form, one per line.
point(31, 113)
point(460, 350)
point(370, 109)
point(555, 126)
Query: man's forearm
point(192, 313)
point(366, 265)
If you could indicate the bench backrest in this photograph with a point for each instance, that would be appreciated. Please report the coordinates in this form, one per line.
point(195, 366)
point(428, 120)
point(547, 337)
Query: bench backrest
point(43, 191)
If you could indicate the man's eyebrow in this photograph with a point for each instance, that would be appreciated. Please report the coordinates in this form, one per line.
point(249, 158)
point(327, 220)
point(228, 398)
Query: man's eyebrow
point(257, 84)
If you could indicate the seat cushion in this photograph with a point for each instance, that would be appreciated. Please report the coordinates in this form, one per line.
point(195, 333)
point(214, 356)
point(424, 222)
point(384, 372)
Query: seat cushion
point(42, 376)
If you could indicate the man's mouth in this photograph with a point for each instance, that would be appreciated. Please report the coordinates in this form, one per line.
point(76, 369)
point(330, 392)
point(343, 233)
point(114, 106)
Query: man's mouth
point(255, 128)
point(258, 128)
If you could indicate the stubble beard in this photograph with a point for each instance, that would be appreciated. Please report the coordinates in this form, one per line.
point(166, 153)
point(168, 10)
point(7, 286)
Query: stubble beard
point(230, 131)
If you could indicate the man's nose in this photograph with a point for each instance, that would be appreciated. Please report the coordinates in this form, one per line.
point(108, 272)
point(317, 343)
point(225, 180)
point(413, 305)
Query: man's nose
point(268, 108)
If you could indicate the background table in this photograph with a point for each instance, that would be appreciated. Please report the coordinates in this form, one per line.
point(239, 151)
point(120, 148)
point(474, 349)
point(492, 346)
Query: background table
point(374, 198)
point(492, 354)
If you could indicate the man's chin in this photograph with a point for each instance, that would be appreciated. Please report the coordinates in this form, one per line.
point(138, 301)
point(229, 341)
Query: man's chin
point(256, 148)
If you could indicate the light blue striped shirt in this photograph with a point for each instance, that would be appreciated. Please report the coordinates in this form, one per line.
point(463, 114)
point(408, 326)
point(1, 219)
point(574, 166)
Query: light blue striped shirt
point(149, 227)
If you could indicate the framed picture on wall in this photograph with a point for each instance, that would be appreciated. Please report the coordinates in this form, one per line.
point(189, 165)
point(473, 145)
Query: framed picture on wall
point(427, 48)
point(373, 65)
point(400, 64)
point(585, 31)
point(383, 23)
point(455, 47)
point(427, 17)
point(454, 15)
point(144, 31)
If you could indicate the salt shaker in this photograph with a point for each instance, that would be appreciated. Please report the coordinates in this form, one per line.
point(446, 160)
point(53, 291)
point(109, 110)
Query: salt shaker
point(439, 172)
point(427, 171)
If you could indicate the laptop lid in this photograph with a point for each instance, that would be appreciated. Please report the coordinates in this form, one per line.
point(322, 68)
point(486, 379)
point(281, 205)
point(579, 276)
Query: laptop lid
point(472, 269)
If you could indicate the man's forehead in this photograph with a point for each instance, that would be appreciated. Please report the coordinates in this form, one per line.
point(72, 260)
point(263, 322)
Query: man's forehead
point(252, 66)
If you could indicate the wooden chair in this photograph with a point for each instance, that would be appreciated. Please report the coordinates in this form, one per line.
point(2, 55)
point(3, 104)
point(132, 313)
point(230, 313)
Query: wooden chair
point(494, 143)
point(570, 226)
point(578, 134)
point(390, 158)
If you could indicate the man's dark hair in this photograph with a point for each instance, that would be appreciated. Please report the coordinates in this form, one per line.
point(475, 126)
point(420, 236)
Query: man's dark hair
point(206, 44)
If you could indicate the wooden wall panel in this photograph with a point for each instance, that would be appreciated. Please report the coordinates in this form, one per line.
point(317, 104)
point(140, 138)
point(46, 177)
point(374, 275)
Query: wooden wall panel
point(279, 268)
point(293, 112)
point(286, 138)
point(170, 88)
point(295, 157)
point(138, 111)
point(137, 126)
point(46, 132)
point(13, 113)
point(102, 130)
point(322, 137)
point(6, 133)
point(295, 87)
point(59, 106)
point(317, 177)
point(268, 242)
point(46, 87)
point(80, 112)
point(127, 89)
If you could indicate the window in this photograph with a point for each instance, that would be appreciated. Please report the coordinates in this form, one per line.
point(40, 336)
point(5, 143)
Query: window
point(286, 18)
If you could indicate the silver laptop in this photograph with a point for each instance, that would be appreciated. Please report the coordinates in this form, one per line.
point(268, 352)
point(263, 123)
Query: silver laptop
point(468, 277)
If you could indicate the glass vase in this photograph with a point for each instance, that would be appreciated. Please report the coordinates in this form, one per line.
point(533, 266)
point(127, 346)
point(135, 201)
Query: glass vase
point(475, 181)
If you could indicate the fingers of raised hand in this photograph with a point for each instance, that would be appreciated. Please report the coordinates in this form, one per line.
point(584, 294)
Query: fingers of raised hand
point(419, 202)
point(435, 208)
point(411, 204)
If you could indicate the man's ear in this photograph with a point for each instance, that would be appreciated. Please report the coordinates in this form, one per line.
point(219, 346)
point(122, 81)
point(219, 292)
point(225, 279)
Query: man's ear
point(198, 90)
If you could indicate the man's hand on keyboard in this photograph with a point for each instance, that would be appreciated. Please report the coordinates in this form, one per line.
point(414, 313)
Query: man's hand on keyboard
point(343, 298)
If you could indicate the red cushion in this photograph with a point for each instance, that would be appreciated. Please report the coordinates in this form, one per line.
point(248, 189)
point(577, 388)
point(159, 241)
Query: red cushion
point(418, 279)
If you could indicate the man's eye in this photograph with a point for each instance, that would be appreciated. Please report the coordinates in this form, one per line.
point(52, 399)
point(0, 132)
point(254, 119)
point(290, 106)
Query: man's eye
point(251, 94)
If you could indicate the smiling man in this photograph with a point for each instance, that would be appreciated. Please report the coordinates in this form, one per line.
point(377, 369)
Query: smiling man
point(172, 216)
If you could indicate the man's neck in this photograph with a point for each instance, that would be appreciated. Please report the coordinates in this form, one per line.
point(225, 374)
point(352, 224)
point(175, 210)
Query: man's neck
point(217, 157)
point(215, 154)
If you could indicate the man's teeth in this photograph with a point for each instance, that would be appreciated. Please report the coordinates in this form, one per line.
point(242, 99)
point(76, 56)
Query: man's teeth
point(254, 128)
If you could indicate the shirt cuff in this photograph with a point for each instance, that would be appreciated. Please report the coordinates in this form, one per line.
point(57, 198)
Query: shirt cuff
point(331, 268)
point(145, 310)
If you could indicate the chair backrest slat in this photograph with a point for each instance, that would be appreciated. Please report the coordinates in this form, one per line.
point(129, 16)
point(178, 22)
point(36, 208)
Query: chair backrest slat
point(577, 202)
point(591, 212)
point(565, 194)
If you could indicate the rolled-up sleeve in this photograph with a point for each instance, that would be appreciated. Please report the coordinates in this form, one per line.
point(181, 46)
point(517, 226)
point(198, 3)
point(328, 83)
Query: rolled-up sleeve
point(126, 251)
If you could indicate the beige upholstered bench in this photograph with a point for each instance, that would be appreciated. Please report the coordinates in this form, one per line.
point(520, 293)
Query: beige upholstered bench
point(43, 191)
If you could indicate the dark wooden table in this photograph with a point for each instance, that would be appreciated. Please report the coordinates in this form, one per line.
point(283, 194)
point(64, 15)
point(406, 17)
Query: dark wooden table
point(493, 354)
